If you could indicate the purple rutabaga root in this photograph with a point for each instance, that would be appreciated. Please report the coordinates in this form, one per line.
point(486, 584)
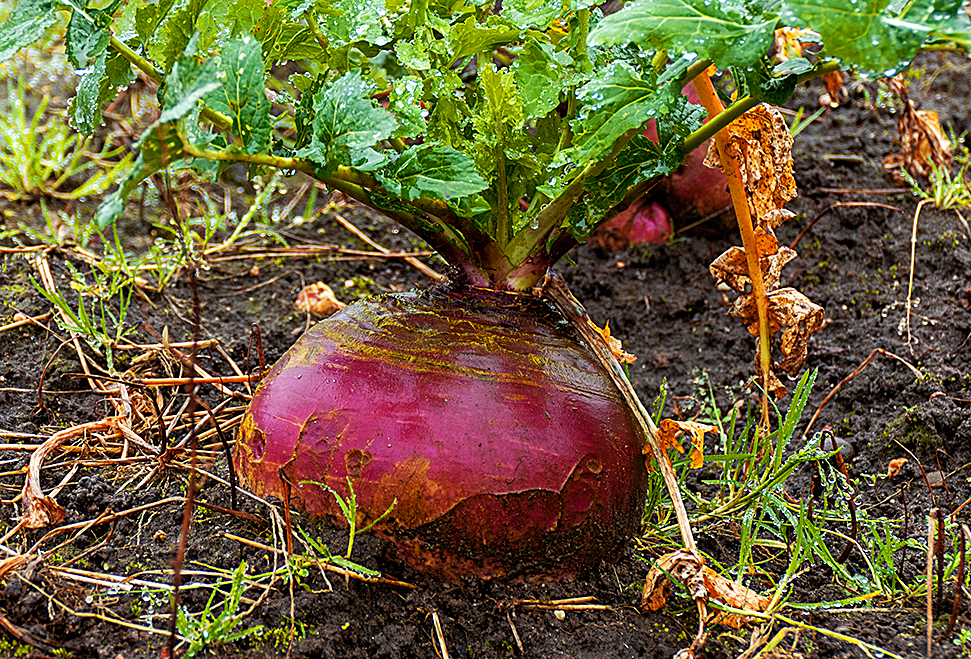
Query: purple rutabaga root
point(509, 451)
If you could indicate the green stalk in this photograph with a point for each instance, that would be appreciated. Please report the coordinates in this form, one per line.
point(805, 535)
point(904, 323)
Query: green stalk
point(311, 18)
point(503, 221)
point(525, 243)
point(743, 105)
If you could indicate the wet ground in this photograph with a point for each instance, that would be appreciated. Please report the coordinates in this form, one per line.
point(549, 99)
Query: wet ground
point(661, 300)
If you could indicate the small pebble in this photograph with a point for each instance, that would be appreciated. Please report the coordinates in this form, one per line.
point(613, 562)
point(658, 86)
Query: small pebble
point(559, 614)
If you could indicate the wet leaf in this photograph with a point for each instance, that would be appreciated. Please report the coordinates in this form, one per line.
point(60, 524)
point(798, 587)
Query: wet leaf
point(725, 32)
point(434, 171)
point(872, 34)
point(346, 124)
point(761, 142)
point(27, 23)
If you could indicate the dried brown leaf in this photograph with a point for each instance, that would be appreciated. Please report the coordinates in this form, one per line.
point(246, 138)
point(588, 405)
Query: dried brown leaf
point(669, 430)
point(702, 583)
point(683, 565)
point(790, 312)
point(615, 345)
point(922, 140)
point(761, 142)
point(319, 299)
point(834, 89)
point(732, 266)
point(789, 42)
point(895, 466)
point(733, 594)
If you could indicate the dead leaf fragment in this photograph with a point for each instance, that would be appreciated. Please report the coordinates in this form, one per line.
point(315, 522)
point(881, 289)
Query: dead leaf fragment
point(667, 436)
point(615, 345)
point(895, 466)
point(733, 594)
point(683, 565)
point(702, 583)
point(761, 142)
point(789, 42)
point(834, 89)
point(790, 312)
point(922, 140)
point(318, 299)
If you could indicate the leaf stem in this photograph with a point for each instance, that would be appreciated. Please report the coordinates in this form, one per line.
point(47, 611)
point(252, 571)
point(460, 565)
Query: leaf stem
point(548, 221)
point(311, 18)
point(730, 166)
point(741, 106)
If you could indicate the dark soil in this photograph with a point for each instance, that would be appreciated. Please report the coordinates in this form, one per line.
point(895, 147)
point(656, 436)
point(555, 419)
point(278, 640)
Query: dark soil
point(660, 300)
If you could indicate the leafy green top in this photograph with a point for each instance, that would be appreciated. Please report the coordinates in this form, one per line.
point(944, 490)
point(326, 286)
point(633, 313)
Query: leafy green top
point(501, 137)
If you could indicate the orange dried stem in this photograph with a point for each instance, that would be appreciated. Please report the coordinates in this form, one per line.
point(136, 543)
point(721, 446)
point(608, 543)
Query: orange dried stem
point(730, 166)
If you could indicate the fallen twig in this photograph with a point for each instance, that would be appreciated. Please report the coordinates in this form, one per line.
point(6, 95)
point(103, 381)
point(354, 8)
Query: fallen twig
point(910, 281)
point(21, 319)
point(857, 371)
point(410, 260)
point(439, 635)
point(931, 519)
point(40, 510)
point(515, 634)
point(839, 204)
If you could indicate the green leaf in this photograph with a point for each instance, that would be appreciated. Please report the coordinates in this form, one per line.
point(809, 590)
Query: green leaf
point(348, 21)
point(412, 56)
point(86, 40)
point(498, 119)
point(867, 33)
point(86, 106)
point(450, 113)
point(469, 37)
point(641, 160)
point(148, 17)
point(405, 102)
point(27, 23)
point(436, 172)
point(174, 31)
point(540, 73)
point(540, 13)
point(241, 96)
point(160, 147)
point(345, 124)
point(957, 27)
point(724, 32)
point(617, 101)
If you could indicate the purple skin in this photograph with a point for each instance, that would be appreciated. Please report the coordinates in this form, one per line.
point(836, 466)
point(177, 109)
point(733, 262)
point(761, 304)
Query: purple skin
point(509, 451)
point(644, 221)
